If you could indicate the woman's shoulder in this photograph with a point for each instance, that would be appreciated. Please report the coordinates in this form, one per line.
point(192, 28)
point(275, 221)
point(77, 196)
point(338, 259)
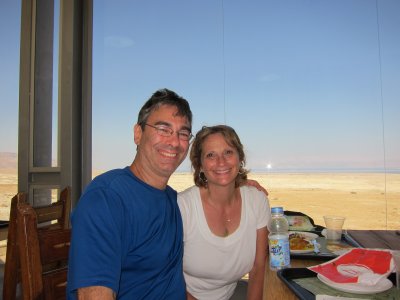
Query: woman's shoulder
point(252, 191)
point(189, 194)
point(253, 197)
point(257, 204)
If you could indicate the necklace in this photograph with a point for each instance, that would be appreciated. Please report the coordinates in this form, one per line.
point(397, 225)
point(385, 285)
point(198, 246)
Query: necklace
point(222, 215)
point(225, 216)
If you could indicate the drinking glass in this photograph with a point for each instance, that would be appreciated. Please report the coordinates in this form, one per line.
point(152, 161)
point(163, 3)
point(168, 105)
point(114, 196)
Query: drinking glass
point(334, 227)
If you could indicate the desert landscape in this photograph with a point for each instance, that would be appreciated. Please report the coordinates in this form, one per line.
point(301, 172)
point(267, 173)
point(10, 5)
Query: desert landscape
point(364, 199)
point(367, 200)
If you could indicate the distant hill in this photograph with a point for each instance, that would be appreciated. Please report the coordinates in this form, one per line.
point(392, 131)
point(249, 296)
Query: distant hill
point(8, 160)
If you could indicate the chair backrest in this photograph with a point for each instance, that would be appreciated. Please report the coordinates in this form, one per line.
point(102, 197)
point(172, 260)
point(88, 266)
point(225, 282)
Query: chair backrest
point(58, 211)
point(11, 267)
point(43, 257)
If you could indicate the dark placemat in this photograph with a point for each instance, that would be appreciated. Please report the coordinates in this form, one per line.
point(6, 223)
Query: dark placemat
point(382, 239)
point(288, 276)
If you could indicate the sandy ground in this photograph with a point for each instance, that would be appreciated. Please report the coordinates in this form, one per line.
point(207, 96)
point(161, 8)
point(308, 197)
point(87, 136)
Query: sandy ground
point(8, 188)
point(368, 201)
point(364, 199)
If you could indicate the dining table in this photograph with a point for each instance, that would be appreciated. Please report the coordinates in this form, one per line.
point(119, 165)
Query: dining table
point(276, 289)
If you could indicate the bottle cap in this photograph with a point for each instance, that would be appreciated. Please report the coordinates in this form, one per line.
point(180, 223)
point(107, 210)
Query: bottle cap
point(277, 210)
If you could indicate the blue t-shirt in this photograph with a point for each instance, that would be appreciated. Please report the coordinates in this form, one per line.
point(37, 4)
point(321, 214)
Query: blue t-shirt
point(128, 236)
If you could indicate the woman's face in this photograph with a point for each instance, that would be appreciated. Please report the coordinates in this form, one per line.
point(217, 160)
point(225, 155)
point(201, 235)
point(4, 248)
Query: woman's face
point(219, 160)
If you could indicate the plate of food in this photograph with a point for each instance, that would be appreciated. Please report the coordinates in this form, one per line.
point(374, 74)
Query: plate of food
point(301, 242)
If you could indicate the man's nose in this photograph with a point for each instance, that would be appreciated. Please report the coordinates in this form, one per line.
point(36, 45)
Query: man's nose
point(174, 139)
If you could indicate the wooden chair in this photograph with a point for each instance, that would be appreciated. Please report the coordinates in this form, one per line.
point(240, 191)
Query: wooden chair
point(43, 257)
point(11, 268)
point(58, 211)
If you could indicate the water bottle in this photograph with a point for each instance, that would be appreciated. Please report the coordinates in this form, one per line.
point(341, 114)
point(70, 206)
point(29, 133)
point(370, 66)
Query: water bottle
point(278, 240)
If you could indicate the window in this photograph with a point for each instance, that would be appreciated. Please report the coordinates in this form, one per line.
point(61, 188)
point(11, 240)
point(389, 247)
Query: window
point(47, 96)
point(311, 87)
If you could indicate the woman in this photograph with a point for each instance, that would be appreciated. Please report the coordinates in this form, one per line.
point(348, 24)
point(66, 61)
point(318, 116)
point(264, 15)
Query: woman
point(225, 233)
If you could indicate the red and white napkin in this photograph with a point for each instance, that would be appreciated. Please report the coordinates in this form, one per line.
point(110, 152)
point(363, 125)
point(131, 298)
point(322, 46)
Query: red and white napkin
point(365, 266)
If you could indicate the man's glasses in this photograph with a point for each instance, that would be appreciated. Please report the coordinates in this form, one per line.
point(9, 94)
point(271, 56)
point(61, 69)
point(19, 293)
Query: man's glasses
point(184, 135)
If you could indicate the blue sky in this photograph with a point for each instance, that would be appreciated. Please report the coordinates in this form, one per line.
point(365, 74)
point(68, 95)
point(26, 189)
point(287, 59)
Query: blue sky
point(307, 84)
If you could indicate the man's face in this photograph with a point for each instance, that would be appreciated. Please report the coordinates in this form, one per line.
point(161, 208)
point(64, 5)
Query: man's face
point(158, 155)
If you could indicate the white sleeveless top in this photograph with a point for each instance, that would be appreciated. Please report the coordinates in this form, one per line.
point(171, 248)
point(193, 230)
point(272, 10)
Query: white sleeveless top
point(212, 265)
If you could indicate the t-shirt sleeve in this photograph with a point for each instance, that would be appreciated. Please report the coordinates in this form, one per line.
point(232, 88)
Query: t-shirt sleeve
point(263, 211)
point(95, 252)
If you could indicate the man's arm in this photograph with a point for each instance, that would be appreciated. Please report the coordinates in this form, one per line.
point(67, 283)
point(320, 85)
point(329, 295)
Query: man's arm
point(96, 293)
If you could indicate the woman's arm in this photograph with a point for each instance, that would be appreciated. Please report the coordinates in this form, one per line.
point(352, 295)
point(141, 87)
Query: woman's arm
point(257, 273)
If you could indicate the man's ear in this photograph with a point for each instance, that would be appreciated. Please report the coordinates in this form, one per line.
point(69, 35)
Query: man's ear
point(137, 134)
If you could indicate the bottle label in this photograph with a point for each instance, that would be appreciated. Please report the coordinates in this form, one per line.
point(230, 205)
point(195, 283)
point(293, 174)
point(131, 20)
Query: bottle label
point(279, 253)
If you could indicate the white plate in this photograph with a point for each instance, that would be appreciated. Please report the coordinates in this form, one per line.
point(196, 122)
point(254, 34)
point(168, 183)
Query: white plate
point(301, 251)
point(308, 236)
point(358, 288)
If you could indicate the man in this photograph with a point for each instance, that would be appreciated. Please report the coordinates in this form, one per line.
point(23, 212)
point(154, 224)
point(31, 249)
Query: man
point(127, 229)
